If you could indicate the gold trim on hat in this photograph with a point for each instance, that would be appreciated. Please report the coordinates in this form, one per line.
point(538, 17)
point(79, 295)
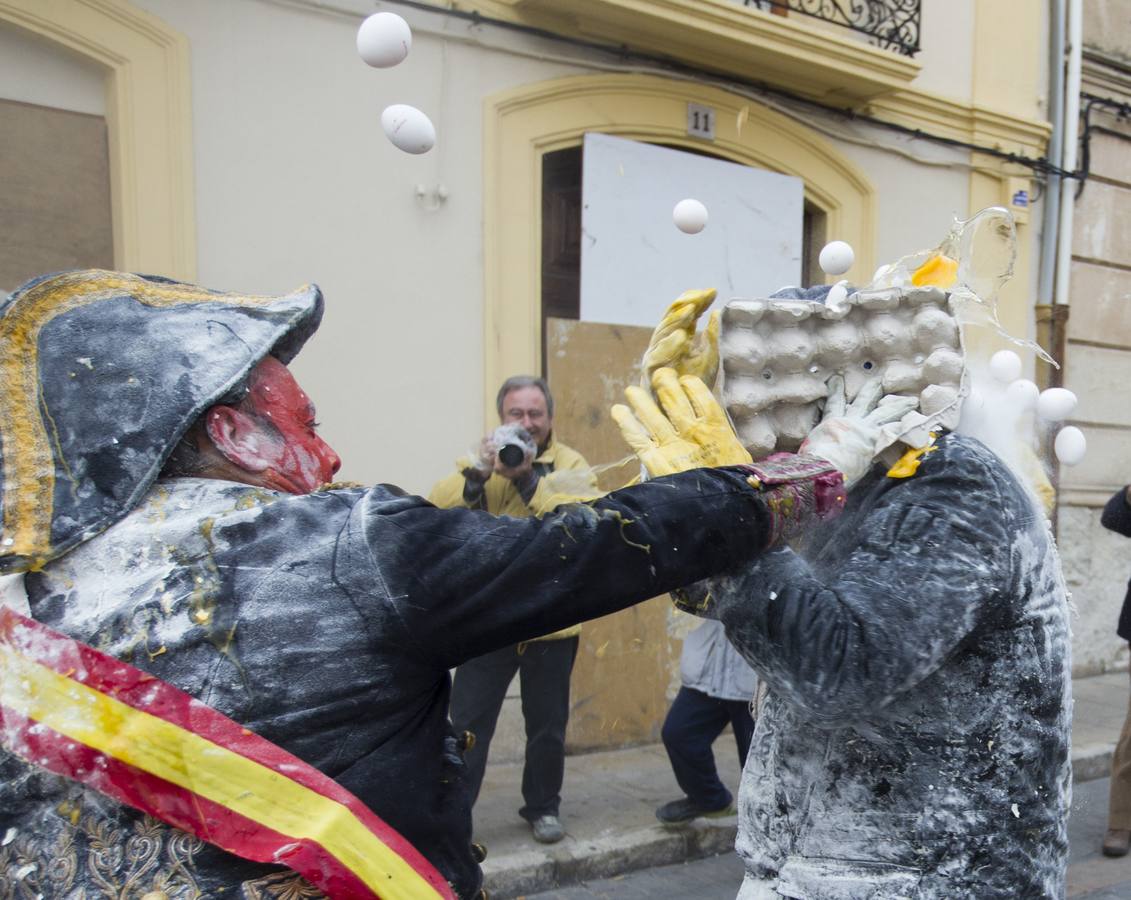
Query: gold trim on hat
point(28, 451)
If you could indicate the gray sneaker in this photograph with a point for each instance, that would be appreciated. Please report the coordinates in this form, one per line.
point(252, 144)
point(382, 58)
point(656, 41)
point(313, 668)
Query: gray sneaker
point(547, 829)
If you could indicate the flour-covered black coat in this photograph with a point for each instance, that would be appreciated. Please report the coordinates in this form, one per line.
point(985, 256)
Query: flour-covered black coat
point(1117, 517)
point(327, 624)
point(914, 739)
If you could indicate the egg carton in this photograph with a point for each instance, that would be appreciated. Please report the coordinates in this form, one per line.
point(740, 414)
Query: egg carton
point(778, 355)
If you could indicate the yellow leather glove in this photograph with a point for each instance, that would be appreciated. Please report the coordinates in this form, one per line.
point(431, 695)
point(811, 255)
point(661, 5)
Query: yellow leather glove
point(676, 344)
point(691, 431)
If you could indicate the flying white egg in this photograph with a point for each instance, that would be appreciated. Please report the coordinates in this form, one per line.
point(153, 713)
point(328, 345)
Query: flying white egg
point(1022, 394)
point(1056, 404)
point(1005, 366)
point(408, 128)
point(384, 39)
point(836, 258)
point(1070, 445)
point(690, 216)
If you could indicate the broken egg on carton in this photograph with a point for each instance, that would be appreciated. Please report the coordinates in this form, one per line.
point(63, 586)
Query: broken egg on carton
point(777, 355)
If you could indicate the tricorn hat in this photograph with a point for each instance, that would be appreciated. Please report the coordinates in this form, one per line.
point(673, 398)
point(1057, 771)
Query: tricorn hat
point(101, 373)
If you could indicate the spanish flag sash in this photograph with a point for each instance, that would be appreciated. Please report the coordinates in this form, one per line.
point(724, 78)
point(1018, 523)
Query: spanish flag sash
point(80, 713)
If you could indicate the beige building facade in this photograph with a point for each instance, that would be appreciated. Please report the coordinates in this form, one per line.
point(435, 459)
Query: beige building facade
point(244, 151)
point(1097, 361)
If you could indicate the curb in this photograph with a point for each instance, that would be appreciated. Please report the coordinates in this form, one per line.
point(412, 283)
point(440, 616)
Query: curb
point(1091, 761)
point(611, 854)
point(620, 852)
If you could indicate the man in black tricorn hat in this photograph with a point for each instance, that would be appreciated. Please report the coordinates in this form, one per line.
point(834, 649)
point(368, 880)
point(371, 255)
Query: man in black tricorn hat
point(233, 678)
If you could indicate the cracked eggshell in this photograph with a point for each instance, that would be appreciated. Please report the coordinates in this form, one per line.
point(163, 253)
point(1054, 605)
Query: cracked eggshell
point(836, 300)
point(914, 429)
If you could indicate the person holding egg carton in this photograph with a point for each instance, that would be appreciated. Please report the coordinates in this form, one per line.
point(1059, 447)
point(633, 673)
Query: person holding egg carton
point(912, 735)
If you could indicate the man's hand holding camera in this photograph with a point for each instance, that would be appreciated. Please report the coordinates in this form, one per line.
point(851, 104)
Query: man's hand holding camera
point(514, 452)
point(509, 451)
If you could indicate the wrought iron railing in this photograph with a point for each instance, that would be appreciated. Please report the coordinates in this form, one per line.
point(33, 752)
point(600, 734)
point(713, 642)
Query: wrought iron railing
point(890, 24)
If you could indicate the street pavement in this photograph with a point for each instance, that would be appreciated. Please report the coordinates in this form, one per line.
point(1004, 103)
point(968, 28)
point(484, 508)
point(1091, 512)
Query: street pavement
point(1091, 876)
point(609, 801)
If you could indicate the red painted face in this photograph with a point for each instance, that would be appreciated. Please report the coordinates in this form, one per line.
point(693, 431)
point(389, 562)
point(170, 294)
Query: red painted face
point(292, 455)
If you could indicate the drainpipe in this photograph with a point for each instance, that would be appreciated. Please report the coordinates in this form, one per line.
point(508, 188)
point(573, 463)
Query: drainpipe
point(1050, 212)
point(1068, 185)
point(1058, 343)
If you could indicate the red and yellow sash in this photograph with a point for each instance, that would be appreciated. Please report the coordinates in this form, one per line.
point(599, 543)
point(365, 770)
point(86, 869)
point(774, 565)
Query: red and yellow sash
point(83, 714)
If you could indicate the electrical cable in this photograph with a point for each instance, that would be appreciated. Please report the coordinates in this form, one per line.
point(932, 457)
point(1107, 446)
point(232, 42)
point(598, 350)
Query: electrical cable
point(1123, 110)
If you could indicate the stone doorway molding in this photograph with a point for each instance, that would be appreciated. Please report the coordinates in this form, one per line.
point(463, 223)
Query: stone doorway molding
point(523, 124)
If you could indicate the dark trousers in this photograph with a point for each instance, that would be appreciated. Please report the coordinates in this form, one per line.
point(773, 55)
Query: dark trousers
point(1119, 803)
point(691, 726)
point(480, 686)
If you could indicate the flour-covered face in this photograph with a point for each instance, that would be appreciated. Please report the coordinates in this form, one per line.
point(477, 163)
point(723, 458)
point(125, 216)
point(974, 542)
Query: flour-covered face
point(273, 433)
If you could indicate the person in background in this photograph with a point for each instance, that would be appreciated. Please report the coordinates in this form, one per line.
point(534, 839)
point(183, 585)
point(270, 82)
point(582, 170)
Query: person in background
point(1117, 841)
point(717, 685)
point(547, 473)
point(913, 739)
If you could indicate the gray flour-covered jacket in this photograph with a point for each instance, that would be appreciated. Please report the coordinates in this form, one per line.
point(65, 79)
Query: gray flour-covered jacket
point(710, 664)
point(914, 740)
point(327, 624)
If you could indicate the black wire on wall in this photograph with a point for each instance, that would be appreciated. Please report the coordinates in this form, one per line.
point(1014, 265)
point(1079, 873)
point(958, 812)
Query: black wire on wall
point(1093, 101)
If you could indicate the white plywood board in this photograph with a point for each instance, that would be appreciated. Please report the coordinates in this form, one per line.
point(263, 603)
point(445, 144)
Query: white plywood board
point(634, 261)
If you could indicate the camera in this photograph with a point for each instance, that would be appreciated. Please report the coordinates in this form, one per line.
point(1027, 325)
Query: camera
point(513, 442)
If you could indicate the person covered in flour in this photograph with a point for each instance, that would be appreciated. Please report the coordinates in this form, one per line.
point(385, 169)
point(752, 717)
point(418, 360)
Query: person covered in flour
point(912, 736)
point(231, 678)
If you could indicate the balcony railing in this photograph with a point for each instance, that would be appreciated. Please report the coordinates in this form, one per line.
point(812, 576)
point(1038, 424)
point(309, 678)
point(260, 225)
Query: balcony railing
point(889, 24)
